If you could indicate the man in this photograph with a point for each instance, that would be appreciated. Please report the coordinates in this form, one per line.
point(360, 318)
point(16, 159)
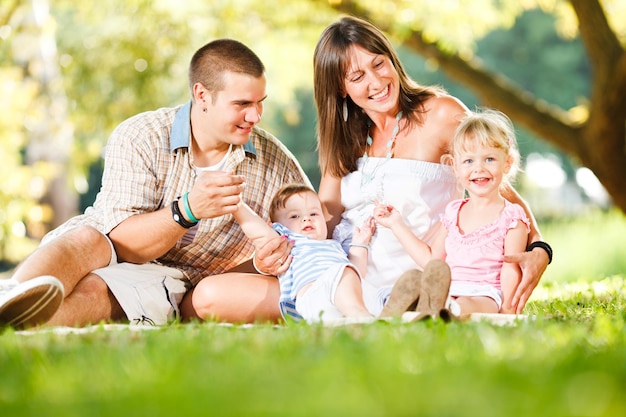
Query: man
point(162, 221)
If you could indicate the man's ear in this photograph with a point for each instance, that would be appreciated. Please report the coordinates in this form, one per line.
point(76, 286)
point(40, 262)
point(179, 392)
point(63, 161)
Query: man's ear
point(200, 93)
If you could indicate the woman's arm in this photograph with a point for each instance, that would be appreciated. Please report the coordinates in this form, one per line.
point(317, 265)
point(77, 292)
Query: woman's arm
point(359, 248)
point(511, 273)
point(330, 196)
point(533, 263)
point(510, 194)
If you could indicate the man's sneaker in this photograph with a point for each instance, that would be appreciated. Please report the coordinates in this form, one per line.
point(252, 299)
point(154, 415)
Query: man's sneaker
point(29, 303)
point(404, 294)
point(434, 289)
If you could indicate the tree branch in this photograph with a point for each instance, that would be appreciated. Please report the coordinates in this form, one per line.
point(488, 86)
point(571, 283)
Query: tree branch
point(9, 10)
point(495, 90)
point(601, 42)
point(543, 118)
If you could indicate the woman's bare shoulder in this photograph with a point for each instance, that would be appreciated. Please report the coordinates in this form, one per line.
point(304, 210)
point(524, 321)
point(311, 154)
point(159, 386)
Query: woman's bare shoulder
point(443, 115)
point(445, 106)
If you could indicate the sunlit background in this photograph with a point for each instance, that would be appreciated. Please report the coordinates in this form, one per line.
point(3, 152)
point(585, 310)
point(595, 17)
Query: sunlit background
point(71, 71)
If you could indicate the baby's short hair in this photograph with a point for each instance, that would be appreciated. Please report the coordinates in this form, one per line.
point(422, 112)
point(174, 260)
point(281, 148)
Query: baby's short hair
point(282, 195)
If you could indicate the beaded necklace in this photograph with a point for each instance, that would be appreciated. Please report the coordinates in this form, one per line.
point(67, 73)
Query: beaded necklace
point(367, 177)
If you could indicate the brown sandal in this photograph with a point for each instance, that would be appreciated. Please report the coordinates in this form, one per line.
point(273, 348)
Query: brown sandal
point(404, 294)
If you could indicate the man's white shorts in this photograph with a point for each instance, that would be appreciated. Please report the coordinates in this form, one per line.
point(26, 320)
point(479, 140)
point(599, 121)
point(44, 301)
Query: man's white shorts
point(149, 293)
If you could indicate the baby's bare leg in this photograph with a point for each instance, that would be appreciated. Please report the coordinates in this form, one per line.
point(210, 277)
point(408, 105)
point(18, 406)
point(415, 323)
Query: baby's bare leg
point(349, 295)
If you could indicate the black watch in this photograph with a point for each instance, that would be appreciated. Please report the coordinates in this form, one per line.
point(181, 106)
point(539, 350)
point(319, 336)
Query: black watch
point(179, 218)
point(542, 245)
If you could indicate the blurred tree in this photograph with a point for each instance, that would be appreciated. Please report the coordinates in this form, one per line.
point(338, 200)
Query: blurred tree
point(71, 72)
point(27, 79)
point(445, 32)
point(50, 132)
point(106, 63)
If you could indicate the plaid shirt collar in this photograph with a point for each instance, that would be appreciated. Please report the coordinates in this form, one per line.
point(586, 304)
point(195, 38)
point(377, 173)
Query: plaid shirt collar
point(181, 131)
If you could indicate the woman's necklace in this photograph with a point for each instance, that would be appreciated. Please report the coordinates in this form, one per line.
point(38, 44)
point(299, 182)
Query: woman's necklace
point(367, 177)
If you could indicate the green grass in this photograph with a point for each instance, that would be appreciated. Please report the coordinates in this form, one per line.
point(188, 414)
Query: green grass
point(588, 247)
point(569, 361)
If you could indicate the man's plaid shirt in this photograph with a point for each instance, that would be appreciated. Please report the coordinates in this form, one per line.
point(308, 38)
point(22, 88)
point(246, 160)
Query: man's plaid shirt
point(148, 164)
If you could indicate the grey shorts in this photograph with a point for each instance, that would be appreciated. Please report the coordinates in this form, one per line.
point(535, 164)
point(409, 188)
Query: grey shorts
point(149, 293)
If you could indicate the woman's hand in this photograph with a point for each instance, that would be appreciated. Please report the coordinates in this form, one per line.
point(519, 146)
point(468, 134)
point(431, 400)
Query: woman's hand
point(533, 264)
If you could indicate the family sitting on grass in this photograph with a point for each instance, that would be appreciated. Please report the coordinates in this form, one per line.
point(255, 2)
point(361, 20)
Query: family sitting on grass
point(388, 231)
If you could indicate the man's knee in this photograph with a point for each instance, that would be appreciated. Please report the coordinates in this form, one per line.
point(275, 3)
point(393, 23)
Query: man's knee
point(87, 246)
point(87, 237)
point(235, 298)
point(93, 291)
point(91, 286)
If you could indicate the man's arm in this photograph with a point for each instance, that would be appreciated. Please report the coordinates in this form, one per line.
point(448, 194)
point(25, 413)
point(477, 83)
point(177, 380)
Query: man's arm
point(147, 236)
point(144, 237)
point(272, 259)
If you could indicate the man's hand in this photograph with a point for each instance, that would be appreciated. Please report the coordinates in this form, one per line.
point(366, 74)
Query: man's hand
point(273, 257)
point(533, 265)
point(216, 193)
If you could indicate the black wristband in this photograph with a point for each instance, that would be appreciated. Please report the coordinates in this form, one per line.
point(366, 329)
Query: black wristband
point(179, 218)
point(542, 245)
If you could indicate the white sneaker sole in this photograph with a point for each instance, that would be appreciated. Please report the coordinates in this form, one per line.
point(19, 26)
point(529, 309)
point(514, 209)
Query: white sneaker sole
point(32, 302)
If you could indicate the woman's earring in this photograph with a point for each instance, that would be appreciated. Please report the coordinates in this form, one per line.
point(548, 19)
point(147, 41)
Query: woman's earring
point(345, 109)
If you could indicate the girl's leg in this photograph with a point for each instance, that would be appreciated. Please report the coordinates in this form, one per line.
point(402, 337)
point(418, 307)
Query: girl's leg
point(477, 305)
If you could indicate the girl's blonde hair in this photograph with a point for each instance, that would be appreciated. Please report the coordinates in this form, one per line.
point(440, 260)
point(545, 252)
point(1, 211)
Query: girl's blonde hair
point(486, 128)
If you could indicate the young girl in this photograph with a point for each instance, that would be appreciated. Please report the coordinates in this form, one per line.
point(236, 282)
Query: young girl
point(477, 231)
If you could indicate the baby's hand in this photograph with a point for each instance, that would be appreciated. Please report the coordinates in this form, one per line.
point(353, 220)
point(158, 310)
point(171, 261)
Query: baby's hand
point(364, 234)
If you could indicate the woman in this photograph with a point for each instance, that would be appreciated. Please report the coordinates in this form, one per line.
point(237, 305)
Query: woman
point(381, 137)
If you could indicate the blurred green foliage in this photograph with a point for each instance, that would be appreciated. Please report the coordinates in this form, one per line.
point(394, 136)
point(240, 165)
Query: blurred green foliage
point(120, 58)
